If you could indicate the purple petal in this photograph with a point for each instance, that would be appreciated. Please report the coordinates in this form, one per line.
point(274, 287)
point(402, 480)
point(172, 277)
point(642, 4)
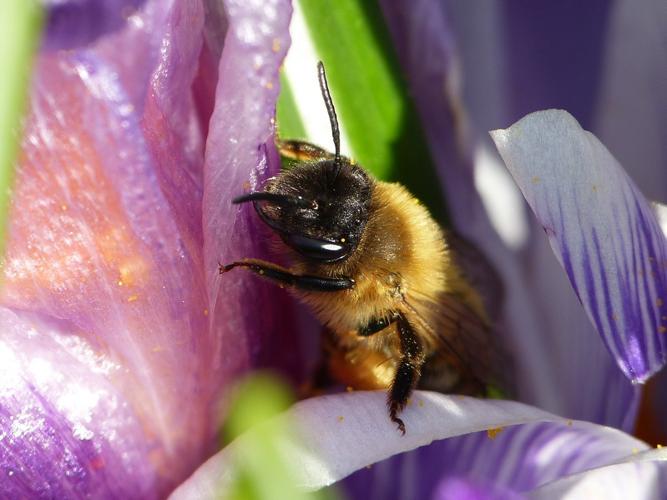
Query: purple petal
point(603, 231)
point(517, 459)
point(464, 489)
point(336, 435)
point(608, 72)
point(253, 318)
point(63, 422)
point(75, 23)
point(103, 273)
point(643, 475)
point(542, 318)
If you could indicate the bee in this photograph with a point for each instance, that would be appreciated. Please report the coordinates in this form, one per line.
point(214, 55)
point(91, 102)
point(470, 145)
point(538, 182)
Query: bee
point(378, 272)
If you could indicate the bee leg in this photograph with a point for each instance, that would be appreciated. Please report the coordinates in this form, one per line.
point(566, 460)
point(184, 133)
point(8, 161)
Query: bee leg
point(284, 277)
point(301, 151)
point(376, 325)
point(408, 371)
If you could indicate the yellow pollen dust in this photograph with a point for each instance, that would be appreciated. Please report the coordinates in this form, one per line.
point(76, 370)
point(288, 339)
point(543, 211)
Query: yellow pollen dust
point(275, 46)
point(341, 418)
point(493, 433)
point(133, 298)
point(535, 180)
point(205, 312)
point(269, 85)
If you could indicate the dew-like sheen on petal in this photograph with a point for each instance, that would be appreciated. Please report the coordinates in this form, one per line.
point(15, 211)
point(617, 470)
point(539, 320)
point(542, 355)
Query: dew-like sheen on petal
point(253, 318)
point(105, 324)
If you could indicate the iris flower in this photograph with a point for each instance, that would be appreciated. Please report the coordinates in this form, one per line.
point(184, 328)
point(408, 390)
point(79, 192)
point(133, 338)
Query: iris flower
point(119, 340)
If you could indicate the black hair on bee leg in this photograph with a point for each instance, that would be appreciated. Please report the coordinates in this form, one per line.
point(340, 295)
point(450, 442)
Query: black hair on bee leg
point(408, 371)
point(282, 276)
point(377, 325)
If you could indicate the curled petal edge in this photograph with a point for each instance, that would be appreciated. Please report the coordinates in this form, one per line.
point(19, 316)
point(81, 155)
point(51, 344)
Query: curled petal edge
point(603, 231)
point(339, 434)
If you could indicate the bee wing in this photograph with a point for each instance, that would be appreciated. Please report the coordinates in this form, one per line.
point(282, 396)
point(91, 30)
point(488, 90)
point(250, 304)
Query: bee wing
point(467, 346)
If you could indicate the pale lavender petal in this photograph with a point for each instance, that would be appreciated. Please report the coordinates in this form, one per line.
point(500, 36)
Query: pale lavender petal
point(643, 475)
point(542, 317)
point(253, 318)
point(603, 231)
point(74, 23)
point(337, 435)
point(104, 270)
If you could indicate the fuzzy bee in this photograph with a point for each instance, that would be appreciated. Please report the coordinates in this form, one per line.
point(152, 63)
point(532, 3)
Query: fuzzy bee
point(379, 273)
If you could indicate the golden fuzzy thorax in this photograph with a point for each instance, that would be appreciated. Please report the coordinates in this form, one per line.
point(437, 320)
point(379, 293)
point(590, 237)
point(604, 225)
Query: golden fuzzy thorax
point(402, 264)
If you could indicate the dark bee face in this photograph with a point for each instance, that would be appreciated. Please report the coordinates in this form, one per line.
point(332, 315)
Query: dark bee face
point(318, 210)
point(320, 207)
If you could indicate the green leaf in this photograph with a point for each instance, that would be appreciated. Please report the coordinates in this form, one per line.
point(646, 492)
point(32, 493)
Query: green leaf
point(290, 124)
point(370, 96)
point(20, 26)
point(263, 473)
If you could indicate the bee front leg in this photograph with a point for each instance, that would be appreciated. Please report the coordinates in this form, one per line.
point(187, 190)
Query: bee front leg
point(408, 371)
point(284, 277)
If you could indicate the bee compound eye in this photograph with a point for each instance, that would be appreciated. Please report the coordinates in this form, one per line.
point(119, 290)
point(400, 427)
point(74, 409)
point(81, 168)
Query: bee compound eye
point(316, 249)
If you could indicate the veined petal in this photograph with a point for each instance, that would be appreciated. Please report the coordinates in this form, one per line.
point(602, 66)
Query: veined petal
point(602, 230)
point(541, 318)
point(251, 316)
point(75, 23)
point(642, 475)
point(516, 459)
point(337, 435)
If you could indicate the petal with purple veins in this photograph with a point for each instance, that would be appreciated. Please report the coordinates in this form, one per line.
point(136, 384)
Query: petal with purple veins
point(602, 230)
point(537, 294)
point(340, 434)
point(641, 475)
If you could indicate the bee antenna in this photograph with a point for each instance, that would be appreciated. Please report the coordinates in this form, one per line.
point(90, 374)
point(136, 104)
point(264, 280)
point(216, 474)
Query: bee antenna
point(335, 132)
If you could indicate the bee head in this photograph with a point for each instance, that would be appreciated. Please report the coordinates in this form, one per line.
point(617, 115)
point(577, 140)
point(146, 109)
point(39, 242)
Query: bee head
point(317, 211)
point(319, 208)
